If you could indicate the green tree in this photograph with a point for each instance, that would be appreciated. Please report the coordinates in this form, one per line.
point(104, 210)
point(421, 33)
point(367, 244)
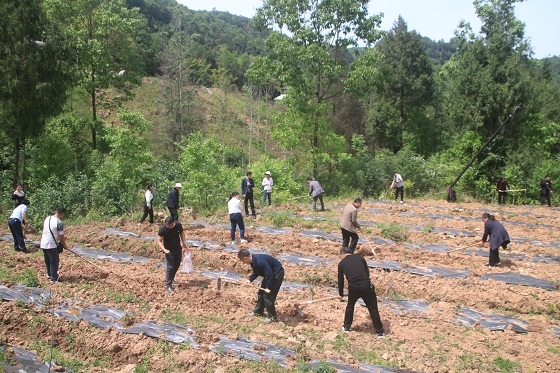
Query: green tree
point(102, 37)
point(32, 73)
point(311, 59)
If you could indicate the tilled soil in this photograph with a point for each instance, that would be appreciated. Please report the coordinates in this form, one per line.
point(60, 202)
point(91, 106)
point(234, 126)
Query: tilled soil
point(428, 342)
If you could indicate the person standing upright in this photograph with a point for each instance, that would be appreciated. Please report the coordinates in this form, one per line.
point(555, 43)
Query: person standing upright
point(148, 204)
point(53, 232)
point(317, 192)
point(356, 270)
point(235, 217)
point(502, 187)
point(273, 274)
point(170, 236)
point(173, 201)
point(16, 222)
point(398, 183)
point(247, 187)
point(267, 183)
point(349, 224)
point(18, 195)
point(498, 237)
point(546, 188)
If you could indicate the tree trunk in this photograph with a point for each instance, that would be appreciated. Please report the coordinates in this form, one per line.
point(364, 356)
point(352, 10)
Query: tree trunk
point(16, 162)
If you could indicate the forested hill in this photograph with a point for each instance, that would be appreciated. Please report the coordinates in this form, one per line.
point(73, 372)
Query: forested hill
point(151, 91)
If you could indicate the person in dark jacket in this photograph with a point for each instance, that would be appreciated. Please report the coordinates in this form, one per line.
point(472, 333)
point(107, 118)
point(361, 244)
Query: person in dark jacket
point(247, 188)
point(546, 188)
point(317, 192)
point(498, 237)
point(18, 195)
point(173, 201)
point(355, 268)
point(502, 187)
point(273, 274)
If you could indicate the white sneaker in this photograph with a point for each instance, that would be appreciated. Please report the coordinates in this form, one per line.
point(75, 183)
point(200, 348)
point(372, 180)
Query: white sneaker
point(243, 241)
point(233, 243)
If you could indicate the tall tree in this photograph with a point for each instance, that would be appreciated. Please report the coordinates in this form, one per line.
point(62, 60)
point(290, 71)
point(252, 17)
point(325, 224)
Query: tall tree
point(406, 90)
point(310, 60)
point(102, 36)
point(488, 76)
point(32, 72)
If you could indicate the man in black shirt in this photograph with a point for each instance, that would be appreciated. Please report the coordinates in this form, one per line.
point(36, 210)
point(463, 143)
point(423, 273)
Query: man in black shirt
point(170, 236)
point(355, 268)
point(173, 201)
point(273, 274)
point(247, 187)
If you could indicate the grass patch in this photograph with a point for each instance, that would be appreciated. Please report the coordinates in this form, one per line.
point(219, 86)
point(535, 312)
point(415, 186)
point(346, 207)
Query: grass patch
point(282, 219)
point(394, 231)
point(28, 278)
point(506, 365)
point(176, 317)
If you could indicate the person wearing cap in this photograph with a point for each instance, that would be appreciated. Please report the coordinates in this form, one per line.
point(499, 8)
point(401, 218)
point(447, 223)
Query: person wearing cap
point(17, 219)
point(247, 187)
point(317, 192)
point(267, 184)
point(349, 224)
point(356, 270)
point(173, 201)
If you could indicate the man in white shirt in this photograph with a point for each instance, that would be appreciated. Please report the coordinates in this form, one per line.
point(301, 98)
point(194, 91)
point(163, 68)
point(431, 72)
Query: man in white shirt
point(17, 219)
point(53, 232)
point(398, 183)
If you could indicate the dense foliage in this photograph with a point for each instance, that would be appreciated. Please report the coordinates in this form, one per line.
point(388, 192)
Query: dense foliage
point(100, 97)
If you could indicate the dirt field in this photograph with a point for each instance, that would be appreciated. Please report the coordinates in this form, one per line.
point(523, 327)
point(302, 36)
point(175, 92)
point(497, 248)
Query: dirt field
point(422, 341)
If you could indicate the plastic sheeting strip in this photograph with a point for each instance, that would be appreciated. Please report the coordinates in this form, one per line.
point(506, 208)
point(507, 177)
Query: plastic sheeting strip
point(27, 362)
point(489, 321)
point(516, 278)
point(428, 271)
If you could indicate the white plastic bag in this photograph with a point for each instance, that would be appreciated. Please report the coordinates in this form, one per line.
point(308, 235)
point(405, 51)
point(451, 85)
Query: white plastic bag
point(188, 266)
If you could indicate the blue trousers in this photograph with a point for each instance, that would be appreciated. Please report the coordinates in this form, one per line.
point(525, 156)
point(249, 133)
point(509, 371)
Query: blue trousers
point(237, 220)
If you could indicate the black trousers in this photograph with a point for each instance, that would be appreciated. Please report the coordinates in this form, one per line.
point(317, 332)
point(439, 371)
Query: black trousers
point(266, 300)
point(399, 190)
point(17, 234)
point(52, 261)
point(173, 212)
point(173, 260)
point(147, 211)
point(249, 199)
point(502, 197)
point(370, 299)
point(346, 235)
point(545, 196)
point(494, 255)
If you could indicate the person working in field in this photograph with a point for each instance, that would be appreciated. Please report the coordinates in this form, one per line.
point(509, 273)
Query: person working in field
point(355, 268)
point(502, 187)
point(498, 237)
point(273, 274)
point(546, 188)
point(53, 233)
point(173, 201)
point(349, 224)
point(170, 236)
point(247, 188)
point(398, 184)
point(317, 192)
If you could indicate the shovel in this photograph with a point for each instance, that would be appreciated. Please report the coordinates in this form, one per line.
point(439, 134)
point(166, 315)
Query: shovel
point(369, 244)
point(219, 283)
point(298, 306)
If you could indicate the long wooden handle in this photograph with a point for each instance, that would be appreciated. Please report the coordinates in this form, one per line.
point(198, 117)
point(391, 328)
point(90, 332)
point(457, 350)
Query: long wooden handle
point(320, 300)
point(242, 283)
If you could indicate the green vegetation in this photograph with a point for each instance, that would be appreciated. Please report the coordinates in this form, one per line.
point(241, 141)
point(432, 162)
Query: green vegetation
point(394, 231)
point(506, 366)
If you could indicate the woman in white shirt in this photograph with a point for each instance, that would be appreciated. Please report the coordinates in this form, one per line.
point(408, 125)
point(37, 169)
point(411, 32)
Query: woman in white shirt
point(235, 217)
point(267, 184)
point(148, 207)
